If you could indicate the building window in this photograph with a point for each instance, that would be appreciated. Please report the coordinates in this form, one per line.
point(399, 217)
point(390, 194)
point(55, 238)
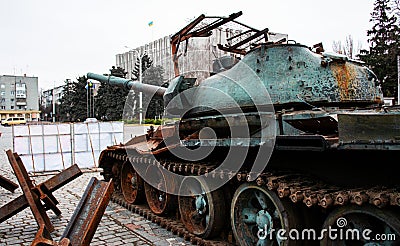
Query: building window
point(20, 90)
point(12, 93)
point(12, 99)
point(3, 107)
point(3, 93)
point(2, 86)
point(12, 107)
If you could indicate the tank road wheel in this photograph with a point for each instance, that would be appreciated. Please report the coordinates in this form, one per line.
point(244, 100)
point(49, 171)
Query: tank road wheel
point(370, 220)
point(131, 184)
point(257, 215)
point(159, 201)
point(203, 213)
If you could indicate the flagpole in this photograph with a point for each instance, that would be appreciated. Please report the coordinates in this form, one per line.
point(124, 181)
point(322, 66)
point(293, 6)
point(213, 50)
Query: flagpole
point(93, 100)
point(54, 102)
point(398, 80)
point(87, 100)
point(151, 23)
point(90, 102)
point(140, 93)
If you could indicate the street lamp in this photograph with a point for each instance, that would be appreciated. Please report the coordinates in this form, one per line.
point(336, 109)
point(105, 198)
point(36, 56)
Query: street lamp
point(140, 56)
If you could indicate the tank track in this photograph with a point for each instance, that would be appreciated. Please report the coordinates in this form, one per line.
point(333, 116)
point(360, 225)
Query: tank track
point(176, 227)
point(297, 188)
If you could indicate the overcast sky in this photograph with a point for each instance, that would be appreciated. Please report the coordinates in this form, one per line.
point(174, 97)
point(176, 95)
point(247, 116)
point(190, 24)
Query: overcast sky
point(58, 40)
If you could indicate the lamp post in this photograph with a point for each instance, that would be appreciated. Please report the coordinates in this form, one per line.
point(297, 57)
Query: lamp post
point(140, 56)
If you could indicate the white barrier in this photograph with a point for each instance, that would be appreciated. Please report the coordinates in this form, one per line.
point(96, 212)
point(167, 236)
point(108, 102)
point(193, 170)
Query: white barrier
point(58, 146)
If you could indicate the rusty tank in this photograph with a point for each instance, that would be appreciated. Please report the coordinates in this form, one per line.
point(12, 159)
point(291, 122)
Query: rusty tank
point(286, 147)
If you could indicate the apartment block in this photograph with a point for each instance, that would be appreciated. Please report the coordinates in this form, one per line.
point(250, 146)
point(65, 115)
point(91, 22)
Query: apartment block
point(19, 97)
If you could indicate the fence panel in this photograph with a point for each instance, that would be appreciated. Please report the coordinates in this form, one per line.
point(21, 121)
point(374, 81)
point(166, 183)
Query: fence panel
point(58, 146)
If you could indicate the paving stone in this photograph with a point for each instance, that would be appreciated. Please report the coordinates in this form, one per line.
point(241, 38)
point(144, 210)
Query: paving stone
point(130, 240)
point(117, 227)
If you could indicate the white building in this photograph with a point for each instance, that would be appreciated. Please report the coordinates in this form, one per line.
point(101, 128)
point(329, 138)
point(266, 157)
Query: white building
point(47, 96)
point(196, 56)
point(196, 60)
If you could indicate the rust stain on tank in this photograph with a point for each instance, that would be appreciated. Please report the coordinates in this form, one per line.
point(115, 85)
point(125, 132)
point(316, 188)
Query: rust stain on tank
point(345, 76)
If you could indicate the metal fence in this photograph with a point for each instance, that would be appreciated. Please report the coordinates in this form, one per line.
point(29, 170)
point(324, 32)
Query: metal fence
point(58, 146)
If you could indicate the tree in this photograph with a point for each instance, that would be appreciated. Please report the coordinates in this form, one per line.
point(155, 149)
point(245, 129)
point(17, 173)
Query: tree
point(146, 63)
point(110, 100)
point(73, 103)
point(395, 5)
point(384, 46)
point(48, 112)
point(348, 49)
point(337, 47)
point(154, 106)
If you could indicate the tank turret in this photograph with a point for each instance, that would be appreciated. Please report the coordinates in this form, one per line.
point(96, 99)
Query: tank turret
point(291, 74)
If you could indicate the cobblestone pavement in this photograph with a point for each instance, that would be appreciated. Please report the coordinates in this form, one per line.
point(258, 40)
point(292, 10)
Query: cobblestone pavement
point(117, 227)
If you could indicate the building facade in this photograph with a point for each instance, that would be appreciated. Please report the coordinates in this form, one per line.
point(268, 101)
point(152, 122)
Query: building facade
point(47, 96)
point(196, 57)
point(19, 97)
point(46, 101)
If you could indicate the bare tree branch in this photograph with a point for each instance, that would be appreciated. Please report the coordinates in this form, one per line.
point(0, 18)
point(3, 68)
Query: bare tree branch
point(337, 47)
point(349, 47)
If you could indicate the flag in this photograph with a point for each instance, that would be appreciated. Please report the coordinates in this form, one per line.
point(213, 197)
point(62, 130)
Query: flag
point(151, 23)
point(89, 84)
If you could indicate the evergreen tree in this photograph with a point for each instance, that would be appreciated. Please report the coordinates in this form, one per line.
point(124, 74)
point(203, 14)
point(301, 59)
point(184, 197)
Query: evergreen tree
point(146, 62)
point(110, 100)
point(384, 39)
point(73, 103)
point(395, 5)
point(153, 106)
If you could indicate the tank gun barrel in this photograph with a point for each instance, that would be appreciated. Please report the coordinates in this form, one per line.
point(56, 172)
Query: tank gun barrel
point(128, 84)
